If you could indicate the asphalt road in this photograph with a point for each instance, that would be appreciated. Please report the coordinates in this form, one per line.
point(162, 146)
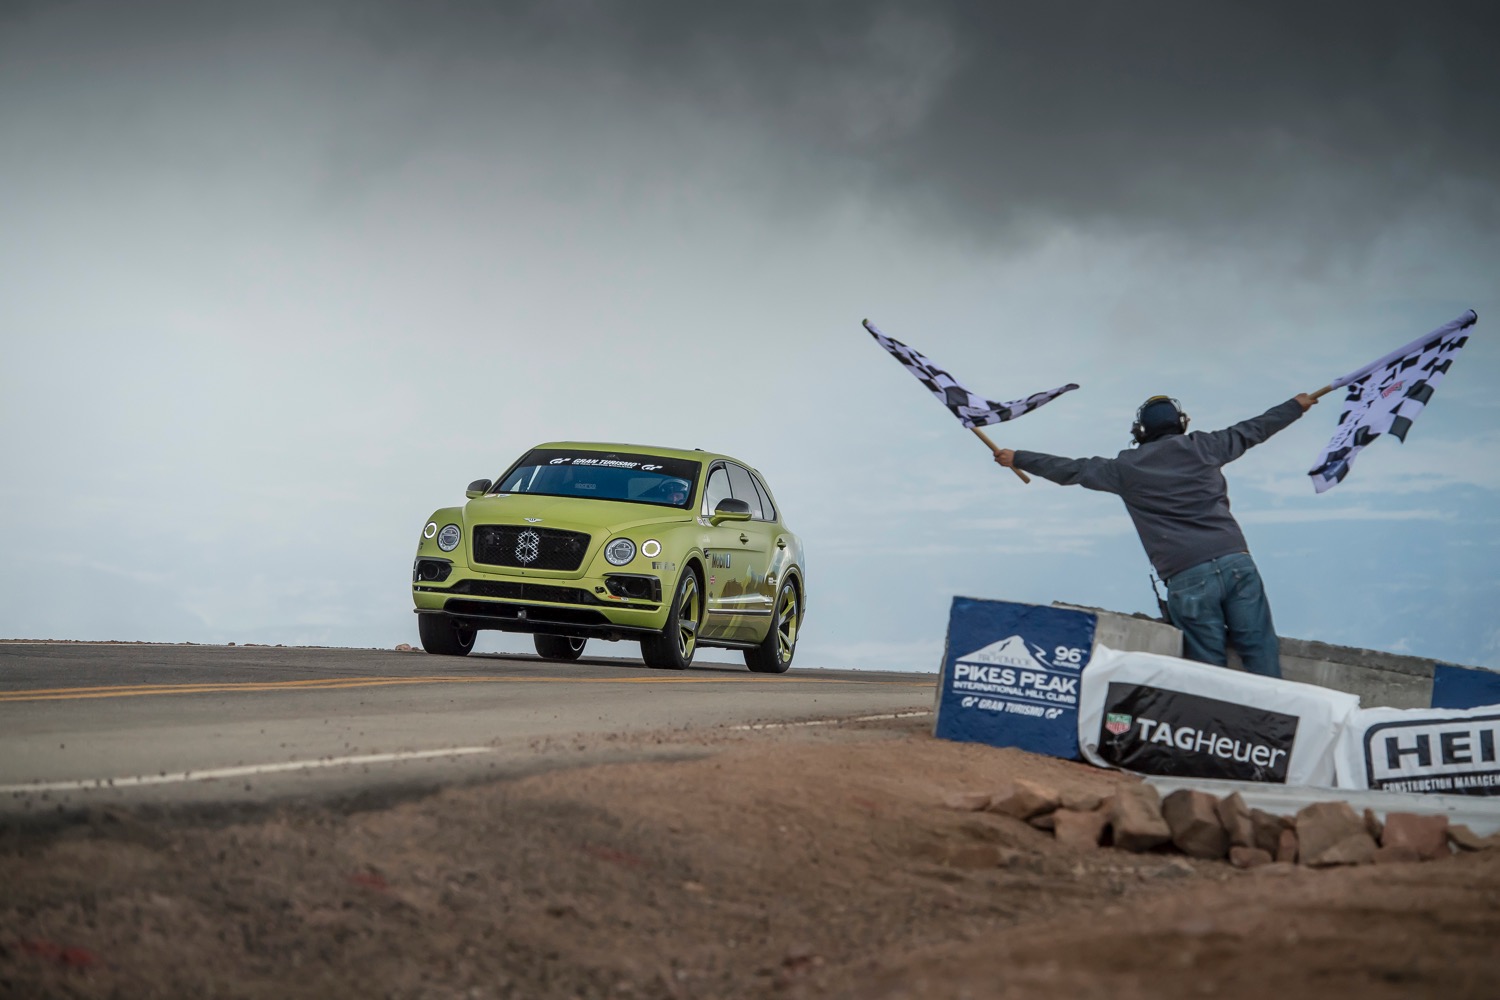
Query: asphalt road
point(95, 724)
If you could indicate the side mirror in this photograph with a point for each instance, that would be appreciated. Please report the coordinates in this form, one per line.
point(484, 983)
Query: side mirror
point(478, 488)
point(730, 509)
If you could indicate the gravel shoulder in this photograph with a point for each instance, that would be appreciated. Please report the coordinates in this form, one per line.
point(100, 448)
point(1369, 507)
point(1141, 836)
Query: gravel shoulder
point(779, 863)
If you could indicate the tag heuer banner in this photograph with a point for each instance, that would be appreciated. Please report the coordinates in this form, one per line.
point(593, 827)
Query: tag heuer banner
point(1433, 750)
point(1155, 714)
point(1011, 675)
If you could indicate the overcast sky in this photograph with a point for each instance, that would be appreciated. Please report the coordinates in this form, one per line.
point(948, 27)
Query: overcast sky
point(277, 280)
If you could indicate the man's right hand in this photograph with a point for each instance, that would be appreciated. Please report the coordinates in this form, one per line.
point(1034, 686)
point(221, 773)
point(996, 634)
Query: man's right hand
point(1006, 457)
point(1305, 401)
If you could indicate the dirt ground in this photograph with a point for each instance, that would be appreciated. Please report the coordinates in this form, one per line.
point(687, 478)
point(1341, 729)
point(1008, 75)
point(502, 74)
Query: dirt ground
point(787, 863)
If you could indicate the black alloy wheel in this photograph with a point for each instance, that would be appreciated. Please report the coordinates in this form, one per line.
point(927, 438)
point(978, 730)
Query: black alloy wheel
point(674, 648)
point(444, 636)
point(558, 647)
point(774, 654)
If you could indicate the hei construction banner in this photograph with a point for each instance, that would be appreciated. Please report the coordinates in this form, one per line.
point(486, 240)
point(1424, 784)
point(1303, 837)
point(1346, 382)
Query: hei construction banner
point(1155, 714)
point(1433, 750)
point(1011, 675)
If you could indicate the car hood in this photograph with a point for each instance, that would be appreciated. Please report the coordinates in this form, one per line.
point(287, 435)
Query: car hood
point(574, 513)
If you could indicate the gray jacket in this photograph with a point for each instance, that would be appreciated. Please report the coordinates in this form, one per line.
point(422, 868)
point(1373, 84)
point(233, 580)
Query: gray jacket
point(1172, 487)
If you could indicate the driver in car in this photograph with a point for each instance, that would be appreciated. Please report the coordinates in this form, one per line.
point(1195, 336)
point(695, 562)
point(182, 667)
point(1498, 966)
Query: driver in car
point(672, 491)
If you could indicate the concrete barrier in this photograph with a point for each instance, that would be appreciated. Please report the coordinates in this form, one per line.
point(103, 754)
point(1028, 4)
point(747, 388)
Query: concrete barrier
point(1135, 633)
point(1380, 679)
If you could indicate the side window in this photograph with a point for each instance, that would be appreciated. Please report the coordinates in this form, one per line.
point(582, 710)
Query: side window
point(767, 507)
point(716, 489)
point(744, 489)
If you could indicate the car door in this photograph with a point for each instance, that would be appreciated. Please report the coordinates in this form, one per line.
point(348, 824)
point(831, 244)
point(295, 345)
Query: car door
point(720, 544)
point(749, 610)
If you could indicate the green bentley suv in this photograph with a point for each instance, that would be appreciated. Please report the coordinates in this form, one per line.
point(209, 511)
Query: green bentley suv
point(673, 549)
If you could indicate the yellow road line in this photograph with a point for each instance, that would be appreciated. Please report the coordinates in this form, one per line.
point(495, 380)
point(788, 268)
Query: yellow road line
point(346, 683)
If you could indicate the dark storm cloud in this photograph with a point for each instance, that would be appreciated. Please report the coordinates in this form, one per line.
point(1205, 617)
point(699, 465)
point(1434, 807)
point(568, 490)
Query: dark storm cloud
point(1339, 115)
point(1332, 118)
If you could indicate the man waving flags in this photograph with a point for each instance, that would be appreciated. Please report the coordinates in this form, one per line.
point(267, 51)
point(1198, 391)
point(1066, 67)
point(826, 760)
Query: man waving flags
point(1385, 396)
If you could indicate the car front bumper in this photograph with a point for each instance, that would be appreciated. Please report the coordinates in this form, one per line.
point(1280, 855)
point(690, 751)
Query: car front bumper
point(583, 607)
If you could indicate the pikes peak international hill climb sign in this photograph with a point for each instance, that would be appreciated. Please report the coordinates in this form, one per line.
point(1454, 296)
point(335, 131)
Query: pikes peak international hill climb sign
point(1011, 675)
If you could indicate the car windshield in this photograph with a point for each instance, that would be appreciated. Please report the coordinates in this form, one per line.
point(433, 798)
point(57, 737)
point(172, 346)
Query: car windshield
point(598, 475)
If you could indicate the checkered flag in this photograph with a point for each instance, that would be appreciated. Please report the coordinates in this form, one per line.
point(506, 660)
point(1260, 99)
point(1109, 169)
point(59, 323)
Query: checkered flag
point(1385, 396)
point(974, 411)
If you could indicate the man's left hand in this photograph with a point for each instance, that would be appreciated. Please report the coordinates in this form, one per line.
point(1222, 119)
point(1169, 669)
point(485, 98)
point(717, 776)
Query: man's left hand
point(1006, 457)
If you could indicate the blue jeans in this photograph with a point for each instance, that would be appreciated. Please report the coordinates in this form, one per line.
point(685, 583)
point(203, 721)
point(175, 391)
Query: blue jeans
point(1223, 598)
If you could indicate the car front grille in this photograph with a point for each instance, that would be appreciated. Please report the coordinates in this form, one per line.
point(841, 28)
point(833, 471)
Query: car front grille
point(529, 548)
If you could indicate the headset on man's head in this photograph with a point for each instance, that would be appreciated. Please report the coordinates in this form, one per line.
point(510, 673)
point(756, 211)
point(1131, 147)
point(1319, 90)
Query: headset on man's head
point(1138, 429)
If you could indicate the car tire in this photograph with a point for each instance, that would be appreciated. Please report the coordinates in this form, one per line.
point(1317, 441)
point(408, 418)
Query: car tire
point(444, 636)
point(774, 654)
point(558, 647)
point(674, 648)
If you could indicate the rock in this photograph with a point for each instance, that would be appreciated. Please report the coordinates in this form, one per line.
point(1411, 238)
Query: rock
point(1081, 801)
point(1373, 824)
point(967, 801)
point(1042, 822)
point(1332, 833)
point(1079, 830)
point(1023, 799)
point(1248, 857)
point(1135, 818)
point(1193, 818)
point(1235, 817)
point(1267, 828)
point(403, 647)
point(1356, 849)
point(1464, 839)
point(1427, 835)
point(1286, 847)
point(1394, 855)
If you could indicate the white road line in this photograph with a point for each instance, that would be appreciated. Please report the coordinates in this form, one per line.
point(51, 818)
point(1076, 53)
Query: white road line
point(832, 722)
point(243, 771)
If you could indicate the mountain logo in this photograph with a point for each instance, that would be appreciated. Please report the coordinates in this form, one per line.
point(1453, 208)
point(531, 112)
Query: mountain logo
point(1011, 652)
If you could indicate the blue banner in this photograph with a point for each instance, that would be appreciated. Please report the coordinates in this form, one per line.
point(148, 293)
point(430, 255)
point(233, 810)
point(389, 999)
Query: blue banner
point(1464, 687)
point(1011, 675)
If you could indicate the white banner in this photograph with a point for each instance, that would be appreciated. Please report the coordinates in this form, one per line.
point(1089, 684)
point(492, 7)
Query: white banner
point(1385, 396)
point(1444, 751)
point(1154, 714)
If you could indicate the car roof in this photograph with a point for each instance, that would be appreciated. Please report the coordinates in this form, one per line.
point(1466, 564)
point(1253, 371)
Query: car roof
point(691, 455)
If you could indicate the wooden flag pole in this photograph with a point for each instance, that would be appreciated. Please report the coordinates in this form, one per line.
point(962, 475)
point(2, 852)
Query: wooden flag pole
point(1321, 392)
point(995, 448)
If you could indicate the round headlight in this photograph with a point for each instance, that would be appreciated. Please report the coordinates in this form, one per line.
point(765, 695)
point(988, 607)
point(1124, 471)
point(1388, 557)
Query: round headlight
point(651, 548)
point(430, 530)
point(620, 551)
point(449, 537)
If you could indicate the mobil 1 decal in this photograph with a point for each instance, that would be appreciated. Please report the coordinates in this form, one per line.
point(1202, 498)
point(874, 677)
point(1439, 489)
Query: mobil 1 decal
point(1011, 674)
point(1153, 730)
point(1448, 756)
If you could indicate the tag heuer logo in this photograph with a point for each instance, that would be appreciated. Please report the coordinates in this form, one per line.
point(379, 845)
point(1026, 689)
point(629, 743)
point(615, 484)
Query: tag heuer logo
point(1118, 723)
